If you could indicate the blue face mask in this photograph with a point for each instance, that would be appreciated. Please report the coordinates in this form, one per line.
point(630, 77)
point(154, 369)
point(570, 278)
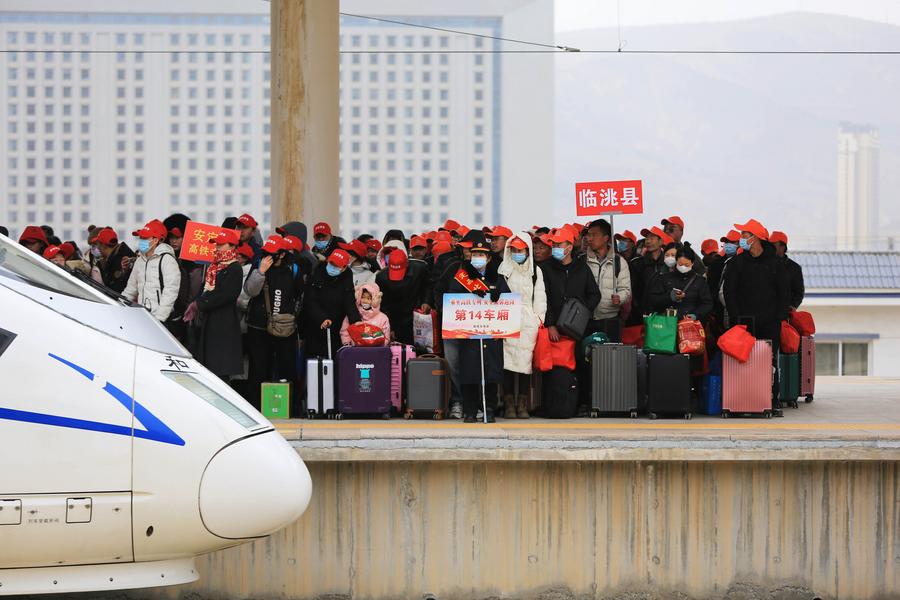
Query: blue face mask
point(519, 257)
point(745, 244)
point(320, 244)
point(143, 246)
point(333, 270)
point(621, 246)
point(479, 262)
point(730, 249)
point(558, 253)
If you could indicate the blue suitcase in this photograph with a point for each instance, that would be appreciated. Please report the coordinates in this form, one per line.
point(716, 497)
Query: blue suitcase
point(711, 395)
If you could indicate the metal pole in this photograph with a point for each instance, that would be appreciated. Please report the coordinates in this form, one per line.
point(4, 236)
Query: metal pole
point(483, 392)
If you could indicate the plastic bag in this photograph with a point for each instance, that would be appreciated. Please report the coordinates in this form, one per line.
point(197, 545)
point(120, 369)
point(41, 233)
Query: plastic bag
point(803, 322)
point(737, 343)
point(691, 337)
point(790, 338)
point(366, 334)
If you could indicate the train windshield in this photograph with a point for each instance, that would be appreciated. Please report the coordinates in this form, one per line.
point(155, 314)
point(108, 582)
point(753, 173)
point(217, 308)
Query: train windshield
point(81, 299)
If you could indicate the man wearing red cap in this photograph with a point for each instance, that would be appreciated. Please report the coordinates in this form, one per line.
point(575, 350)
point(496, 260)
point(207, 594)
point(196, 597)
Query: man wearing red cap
point(330, 297)
point(405, 287)
point(274, 291)
point(323, 241)
point(155, 280)
point(499, 237)
point(714, 277)
point(567, 277)
point(646, 267)
point(757, 292)
point(674, 226)
point(542, 247)
point(117, 259)
point(418, 248)
point(794, 271)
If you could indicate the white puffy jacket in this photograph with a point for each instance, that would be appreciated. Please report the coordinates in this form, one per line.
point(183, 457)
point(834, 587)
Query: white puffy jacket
point(517, 352)
point(144, 286)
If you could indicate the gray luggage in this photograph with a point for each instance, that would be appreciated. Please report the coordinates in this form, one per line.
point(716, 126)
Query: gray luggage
point(428, 385)
point(614, 379)
point(320, 385)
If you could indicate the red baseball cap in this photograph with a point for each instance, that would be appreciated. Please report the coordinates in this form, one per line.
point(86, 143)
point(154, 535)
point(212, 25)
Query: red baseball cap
point(339, 258)
point(51, 251)
point(542, 239)
point(245, 250)
point(418, 242)
point(753, 227)
point(732, 236)
point(626, 235)
point(450, 225)
point(273, 244)
point(518, 243)
point(442, 236)
point(247, 221)
point(674, 221)
point(397, 264)
point(227, 236)
point(176, 232)
point(33, 233)
point(665, 237)
point(292, 242)
point(779, 236)
point(374, 245)
point(440, 248)
point(561, 235)
point(68, 249)
point(107, 237)
point(709, 246)
point(462, 230)
point(153, 229)
point(355, 247)
point(501, 231)
point(322, 229)
point(429, 236)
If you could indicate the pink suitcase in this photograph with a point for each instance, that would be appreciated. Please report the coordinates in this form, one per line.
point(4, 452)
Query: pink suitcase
point(808, 367)
point(400, 355)
point(747, 387)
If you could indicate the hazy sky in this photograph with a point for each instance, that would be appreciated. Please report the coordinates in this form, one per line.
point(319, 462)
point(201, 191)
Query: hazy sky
point(588, 14)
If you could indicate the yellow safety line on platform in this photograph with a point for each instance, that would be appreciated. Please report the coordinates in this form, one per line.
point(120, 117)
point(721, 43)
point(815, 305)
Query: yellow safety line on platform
point(756, 424)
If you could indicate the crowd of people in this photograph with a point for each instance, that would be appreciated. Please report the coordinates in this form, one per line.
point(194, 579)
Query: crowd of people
point(261, 302)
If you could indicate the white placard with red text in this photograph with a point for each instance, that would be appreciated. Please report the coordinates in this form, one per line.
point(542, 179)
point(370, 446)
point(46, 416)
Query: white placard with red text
point(467, 316)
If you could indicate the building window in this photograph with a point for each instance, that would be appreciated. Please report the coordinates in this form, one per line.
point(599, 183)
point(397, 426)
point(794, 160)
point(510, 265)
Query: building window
point(842, 358)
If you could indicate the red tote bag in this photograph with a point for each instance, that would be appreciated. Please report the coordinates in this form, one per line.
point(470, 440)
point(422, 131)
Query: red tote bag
point(633, 335)
point(790, 338)
point(563, 353)
point(803, 322)
point(737, 343)
point(541, 360)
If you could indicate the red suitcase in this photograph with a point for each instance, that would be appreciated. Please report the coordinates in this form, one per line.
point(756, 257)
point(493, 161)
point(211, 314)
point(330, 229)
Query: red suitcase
point(808, 367)
point(747, 387)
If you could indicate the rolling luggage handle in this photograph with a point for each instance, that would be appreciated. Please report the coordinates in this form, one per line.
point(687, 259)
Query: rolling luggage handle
point(320, 373)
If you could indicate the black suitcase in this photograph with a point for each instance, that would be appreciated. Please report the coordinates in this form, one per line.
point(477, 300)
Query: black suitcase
point(669, 385)
point(641, 380)
point(560, 395)
point(428, 387)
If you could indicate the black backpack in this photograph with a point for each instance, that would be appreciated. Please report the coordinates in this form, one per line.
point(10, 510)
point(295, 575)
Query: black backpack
point(184, 289)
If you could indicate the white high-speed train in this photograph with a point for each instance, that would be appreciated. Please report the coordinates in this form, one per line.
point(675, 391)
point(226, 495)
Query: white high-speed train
point(121, 457)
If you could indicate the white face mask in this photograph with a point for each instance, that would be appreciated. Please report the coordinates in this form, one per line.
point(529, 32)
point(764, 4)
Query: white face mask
point(684, 268)
point(670, 261)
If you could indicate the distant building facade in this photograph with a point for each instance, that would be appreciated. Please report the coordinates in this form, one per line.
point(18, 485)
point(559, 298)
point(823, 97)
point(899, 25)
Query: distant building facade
point(857, 193)
point(114, 117)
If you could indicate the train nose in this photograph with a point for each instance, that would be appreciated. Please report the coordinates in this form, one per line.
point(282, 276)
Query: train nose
point(254, 487)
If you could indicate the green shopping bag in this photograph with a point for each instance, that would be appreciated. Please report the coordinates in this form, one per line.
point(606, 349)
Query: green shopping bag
point(661, 333)
point(591, 340)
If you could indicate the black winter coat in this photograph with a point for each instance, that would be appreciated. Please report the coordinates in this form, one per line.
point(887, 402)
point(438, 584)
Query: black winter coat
point(114, 277)
point(400, 298)
point(220, 326)
point(795, 279)
point(562, 282)
point(757, 288)
point(284, 290)
point(697, 299)
point(643, 270)
point(329, 298)
point(469, 354)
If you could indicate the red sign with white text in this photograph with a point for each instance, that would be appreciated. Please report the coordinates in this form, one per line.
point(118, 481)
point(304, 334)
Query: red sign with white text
point(609, 197)
point(196, 245)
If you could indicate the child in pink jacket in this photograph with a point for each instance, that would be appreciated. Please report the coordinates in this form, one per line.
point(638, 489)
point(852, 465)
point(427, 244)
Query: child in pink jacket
point(368, 301)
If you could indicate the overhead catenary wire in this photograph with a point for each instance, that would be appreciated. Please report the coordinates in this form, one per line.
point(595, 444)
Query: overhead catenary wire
point(610, 51)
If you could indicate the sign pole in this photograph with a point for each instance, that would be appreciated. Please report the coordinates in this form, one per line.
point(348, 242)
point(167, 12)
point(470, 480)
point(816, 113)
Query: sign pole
point(483, 391)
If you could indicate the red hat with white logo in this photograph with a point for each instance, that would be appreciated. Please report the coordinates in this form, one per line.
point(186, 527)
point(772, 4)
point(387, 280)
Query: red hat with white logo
point(397, 264)
point(107, 237)
point(322, 229)
point(356, 248)
point(51, 251)
point(339, 258)
point(227, 236)
point(153, 229)
point(373, 245)
point(292, 242)
point(247, 221)
point(274, 244)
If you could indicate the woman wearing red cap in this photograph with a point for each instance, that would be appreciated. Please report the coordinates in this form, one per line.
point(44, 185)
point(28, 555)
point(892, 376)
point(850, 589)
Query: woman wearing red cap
point(405, 287)
point(220, 347)
point(330, 297)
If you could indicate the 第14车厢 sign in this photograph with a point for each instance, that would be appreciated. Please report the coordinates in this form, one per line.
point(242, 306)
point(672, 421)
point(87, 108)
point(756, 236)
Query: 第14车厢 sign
point(594, 198)
point(468, 316)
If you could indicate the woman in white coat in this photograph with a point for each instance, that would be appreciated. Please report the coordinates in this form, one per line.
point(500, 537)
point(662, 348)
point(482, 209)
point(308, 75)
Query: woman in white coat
point(524, 278)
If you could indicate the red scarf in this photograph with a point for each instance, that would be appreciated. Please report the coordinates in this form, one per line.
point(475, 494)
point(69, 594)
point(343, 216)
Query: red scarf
point(469, 283)
point(222, 259)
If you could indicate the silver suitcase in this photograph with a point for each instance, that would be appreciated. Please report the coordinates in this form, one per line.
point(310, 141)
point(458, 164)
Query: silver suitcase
point(614, 379)
point(320, 385)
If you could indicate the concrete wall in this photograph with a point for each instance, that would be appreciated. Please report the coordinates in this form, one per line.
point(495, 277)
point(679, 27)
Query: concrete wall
point(848, 320)
point(381, 530)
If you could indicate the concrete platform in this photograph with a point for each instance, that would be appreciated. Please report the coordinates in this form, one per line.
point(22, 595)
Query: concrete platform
point(852, 418)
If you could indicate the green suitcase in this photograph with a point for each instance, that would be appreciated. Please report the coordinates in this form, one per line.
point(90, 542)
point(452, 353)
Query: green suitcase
point(789, 379)
point(276, 400)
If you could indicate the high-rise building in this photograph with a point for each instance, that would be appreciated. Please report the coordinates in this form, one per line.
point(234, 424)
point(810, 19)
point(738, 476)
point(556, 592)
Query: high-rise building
point(857, 194)
point(113, 117)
